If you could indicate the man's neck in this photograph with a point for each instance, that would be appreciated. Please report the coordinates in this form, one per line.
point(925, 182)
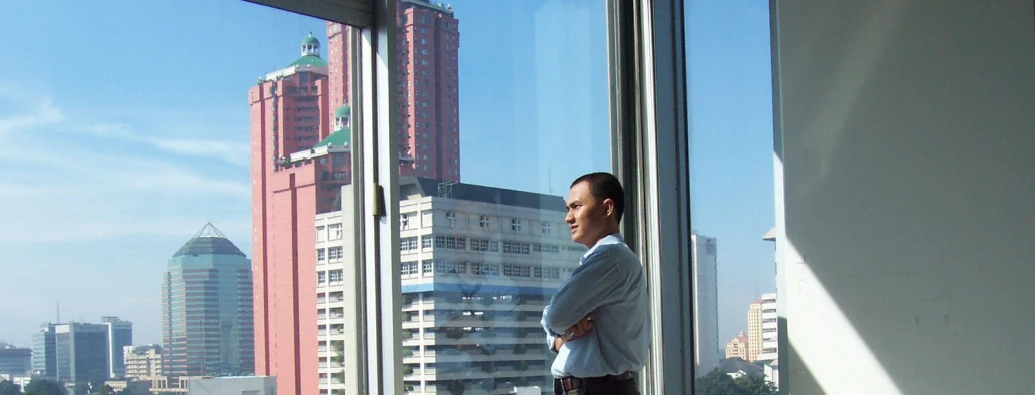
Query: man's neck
point(608, 232)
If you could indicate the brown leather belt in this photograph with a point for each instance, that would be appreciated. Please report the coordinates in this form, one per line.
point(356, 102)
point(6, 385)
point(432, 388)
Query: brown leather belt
point(574, 383)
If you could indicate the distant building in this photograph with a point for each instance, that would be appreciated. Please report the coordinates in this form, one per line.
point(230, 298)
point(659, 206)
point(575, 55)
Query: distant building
point(738, 347)
point(754, 330)
point(132, 387)
point(44, 353)
point(738, 367)
point(768, 335)
point(142, 361)
point(706, 302)
point(120, 335)
point(15, 361)
point(250, 385)
point(81, 352)
point(207, 309)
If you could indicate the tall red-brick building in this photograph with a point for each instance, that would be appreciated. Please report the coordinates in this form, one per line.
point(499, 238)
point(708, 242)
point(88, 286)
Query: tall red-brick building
point(298, 168)
point(300, 159)
point(427, 81)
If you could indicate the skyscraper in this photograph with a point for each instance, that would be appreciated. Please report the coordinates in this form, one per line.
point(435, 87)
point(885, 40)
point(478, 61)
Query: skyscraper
point(300, 163)
point(704, 259)
point(81, 351)
point(298, 166)
point(207, 308)
point(754, 330)
point(428, 83)
point(120, 334)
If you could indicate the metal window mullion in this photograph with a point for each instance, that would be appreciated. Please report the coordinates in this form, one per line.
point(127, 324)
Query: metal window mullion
point(383, 293)
point(355, 345)
point(655, 165)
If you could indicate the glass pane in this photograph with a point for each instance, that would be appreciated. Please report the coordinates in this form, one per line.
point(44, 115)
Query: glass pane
point(503, 105)
point(731, 189)
point(182, 175)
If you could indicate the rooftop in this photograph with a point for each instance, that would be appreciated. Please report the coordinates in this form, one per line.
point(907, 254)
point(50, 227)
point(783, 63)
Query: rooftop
point(479, 193)
point(208, 241)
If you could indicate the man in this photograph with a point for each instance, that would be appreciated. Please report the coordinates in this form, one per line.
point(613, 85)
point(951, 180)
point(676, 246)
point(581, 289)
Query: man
point(597, 321)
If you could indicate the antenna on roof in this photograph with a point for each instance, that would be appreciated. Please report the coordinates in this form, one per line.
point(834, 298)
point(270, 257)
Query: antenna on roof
point(549, 181)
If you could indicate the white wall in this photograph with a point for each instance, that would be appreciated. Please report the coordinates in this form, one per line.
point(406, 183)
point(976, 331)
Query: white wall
point(905, 241)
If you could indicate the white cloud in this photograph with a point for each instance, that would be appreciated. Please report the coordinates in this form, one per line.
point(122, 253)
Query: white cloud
point(73, 187)
point(235, 153)
point(34, 112)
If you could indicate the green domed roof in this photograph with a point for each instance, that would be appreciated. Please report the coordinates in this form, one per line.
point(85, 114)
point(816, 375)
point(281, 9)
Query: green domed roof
point(339, 138)
point(309, 60)
point(310, 40)
point(342, 111)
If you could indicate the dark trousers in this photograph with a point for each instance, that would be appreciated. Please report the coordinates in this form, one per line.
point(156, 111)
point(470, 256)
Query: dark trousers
point(599, 386)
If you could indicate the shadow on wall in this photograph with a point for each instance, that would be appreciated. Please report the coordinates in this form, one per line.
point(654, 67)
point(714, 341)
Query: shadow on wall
point(905, 136)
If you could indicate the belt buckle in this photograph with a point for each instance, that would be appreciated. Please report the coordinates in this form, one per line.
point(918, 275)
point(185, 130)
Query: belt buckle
point(570, 383)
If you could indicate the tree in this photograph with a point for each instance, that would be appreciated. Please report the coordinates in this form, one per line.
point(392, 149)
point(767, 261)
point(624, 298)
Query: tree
point(755, 385)
point(40, 386)
point(717, 382)
point(9, 388)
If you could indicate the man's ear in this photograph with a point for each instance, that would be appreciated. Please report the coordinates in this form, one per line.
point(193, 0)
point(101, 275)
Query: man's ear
point(609, 207)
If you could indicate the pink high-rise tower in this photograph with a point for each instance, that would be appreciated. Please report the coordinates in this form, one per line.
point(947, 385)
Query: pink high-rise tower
point(298, 167)
point(427, 82)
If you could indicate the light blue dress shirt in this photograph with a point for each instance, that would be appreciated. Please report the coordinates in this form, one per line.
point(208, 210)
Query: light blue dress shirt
point(609, 282)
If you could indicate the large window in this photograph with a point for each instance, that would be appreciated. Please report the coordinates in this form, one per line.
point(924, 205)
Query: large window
point(295, 137)
point(731, 190)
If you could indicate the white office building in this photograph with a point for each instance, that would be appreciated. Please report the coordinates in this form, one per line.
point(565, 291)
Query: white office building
point(479, 264)
point(770, 341)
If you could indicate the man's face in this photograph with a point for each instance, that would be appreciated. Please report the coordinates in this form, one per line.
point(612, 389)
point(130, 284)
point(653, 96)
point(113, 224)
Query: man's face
point(587, 216)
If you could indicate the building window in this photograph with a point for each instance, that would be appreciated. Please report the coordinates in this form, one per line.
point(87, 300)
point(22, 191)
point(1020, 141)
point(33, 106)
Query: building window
point(336, 276)
point(483, 221)
point(335, 254)
point(450, 267)
point(515, 225)
point(553, 249)
point(408, 269)
point(321, 255)
point(408, 244)
point(321, 233)
point(426, 242)
point(334, 232)
point(451, 218)
point(450, 242)
point(514, 247)
point(547, 228)
point(484, 245)
point(321, 278)
point(427, 267)
point(404, 221)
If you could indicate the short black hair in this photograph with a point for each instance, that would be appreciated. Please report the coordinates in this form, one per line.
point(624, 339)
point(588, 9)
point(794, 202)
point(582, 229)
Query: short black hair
point(605, 186)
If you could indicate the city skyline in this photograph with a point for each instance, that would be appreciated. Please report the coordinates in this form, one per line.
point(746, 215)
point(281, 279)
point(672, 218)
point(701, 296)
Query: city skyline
point(128, 157)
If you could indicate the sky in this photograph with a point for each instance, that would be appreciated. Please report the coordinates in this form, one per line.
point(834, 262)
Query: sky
point(124, 127)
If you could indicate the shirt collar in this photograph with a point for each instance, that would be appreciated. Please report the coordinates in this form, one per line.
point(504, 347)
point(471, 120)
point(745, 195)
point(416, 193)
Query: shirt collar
point(614, 238)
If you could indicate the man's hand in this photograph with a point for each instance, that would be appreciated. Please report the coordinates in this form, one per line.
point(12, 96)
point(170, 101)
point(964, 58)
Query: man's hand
point(580, 329)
